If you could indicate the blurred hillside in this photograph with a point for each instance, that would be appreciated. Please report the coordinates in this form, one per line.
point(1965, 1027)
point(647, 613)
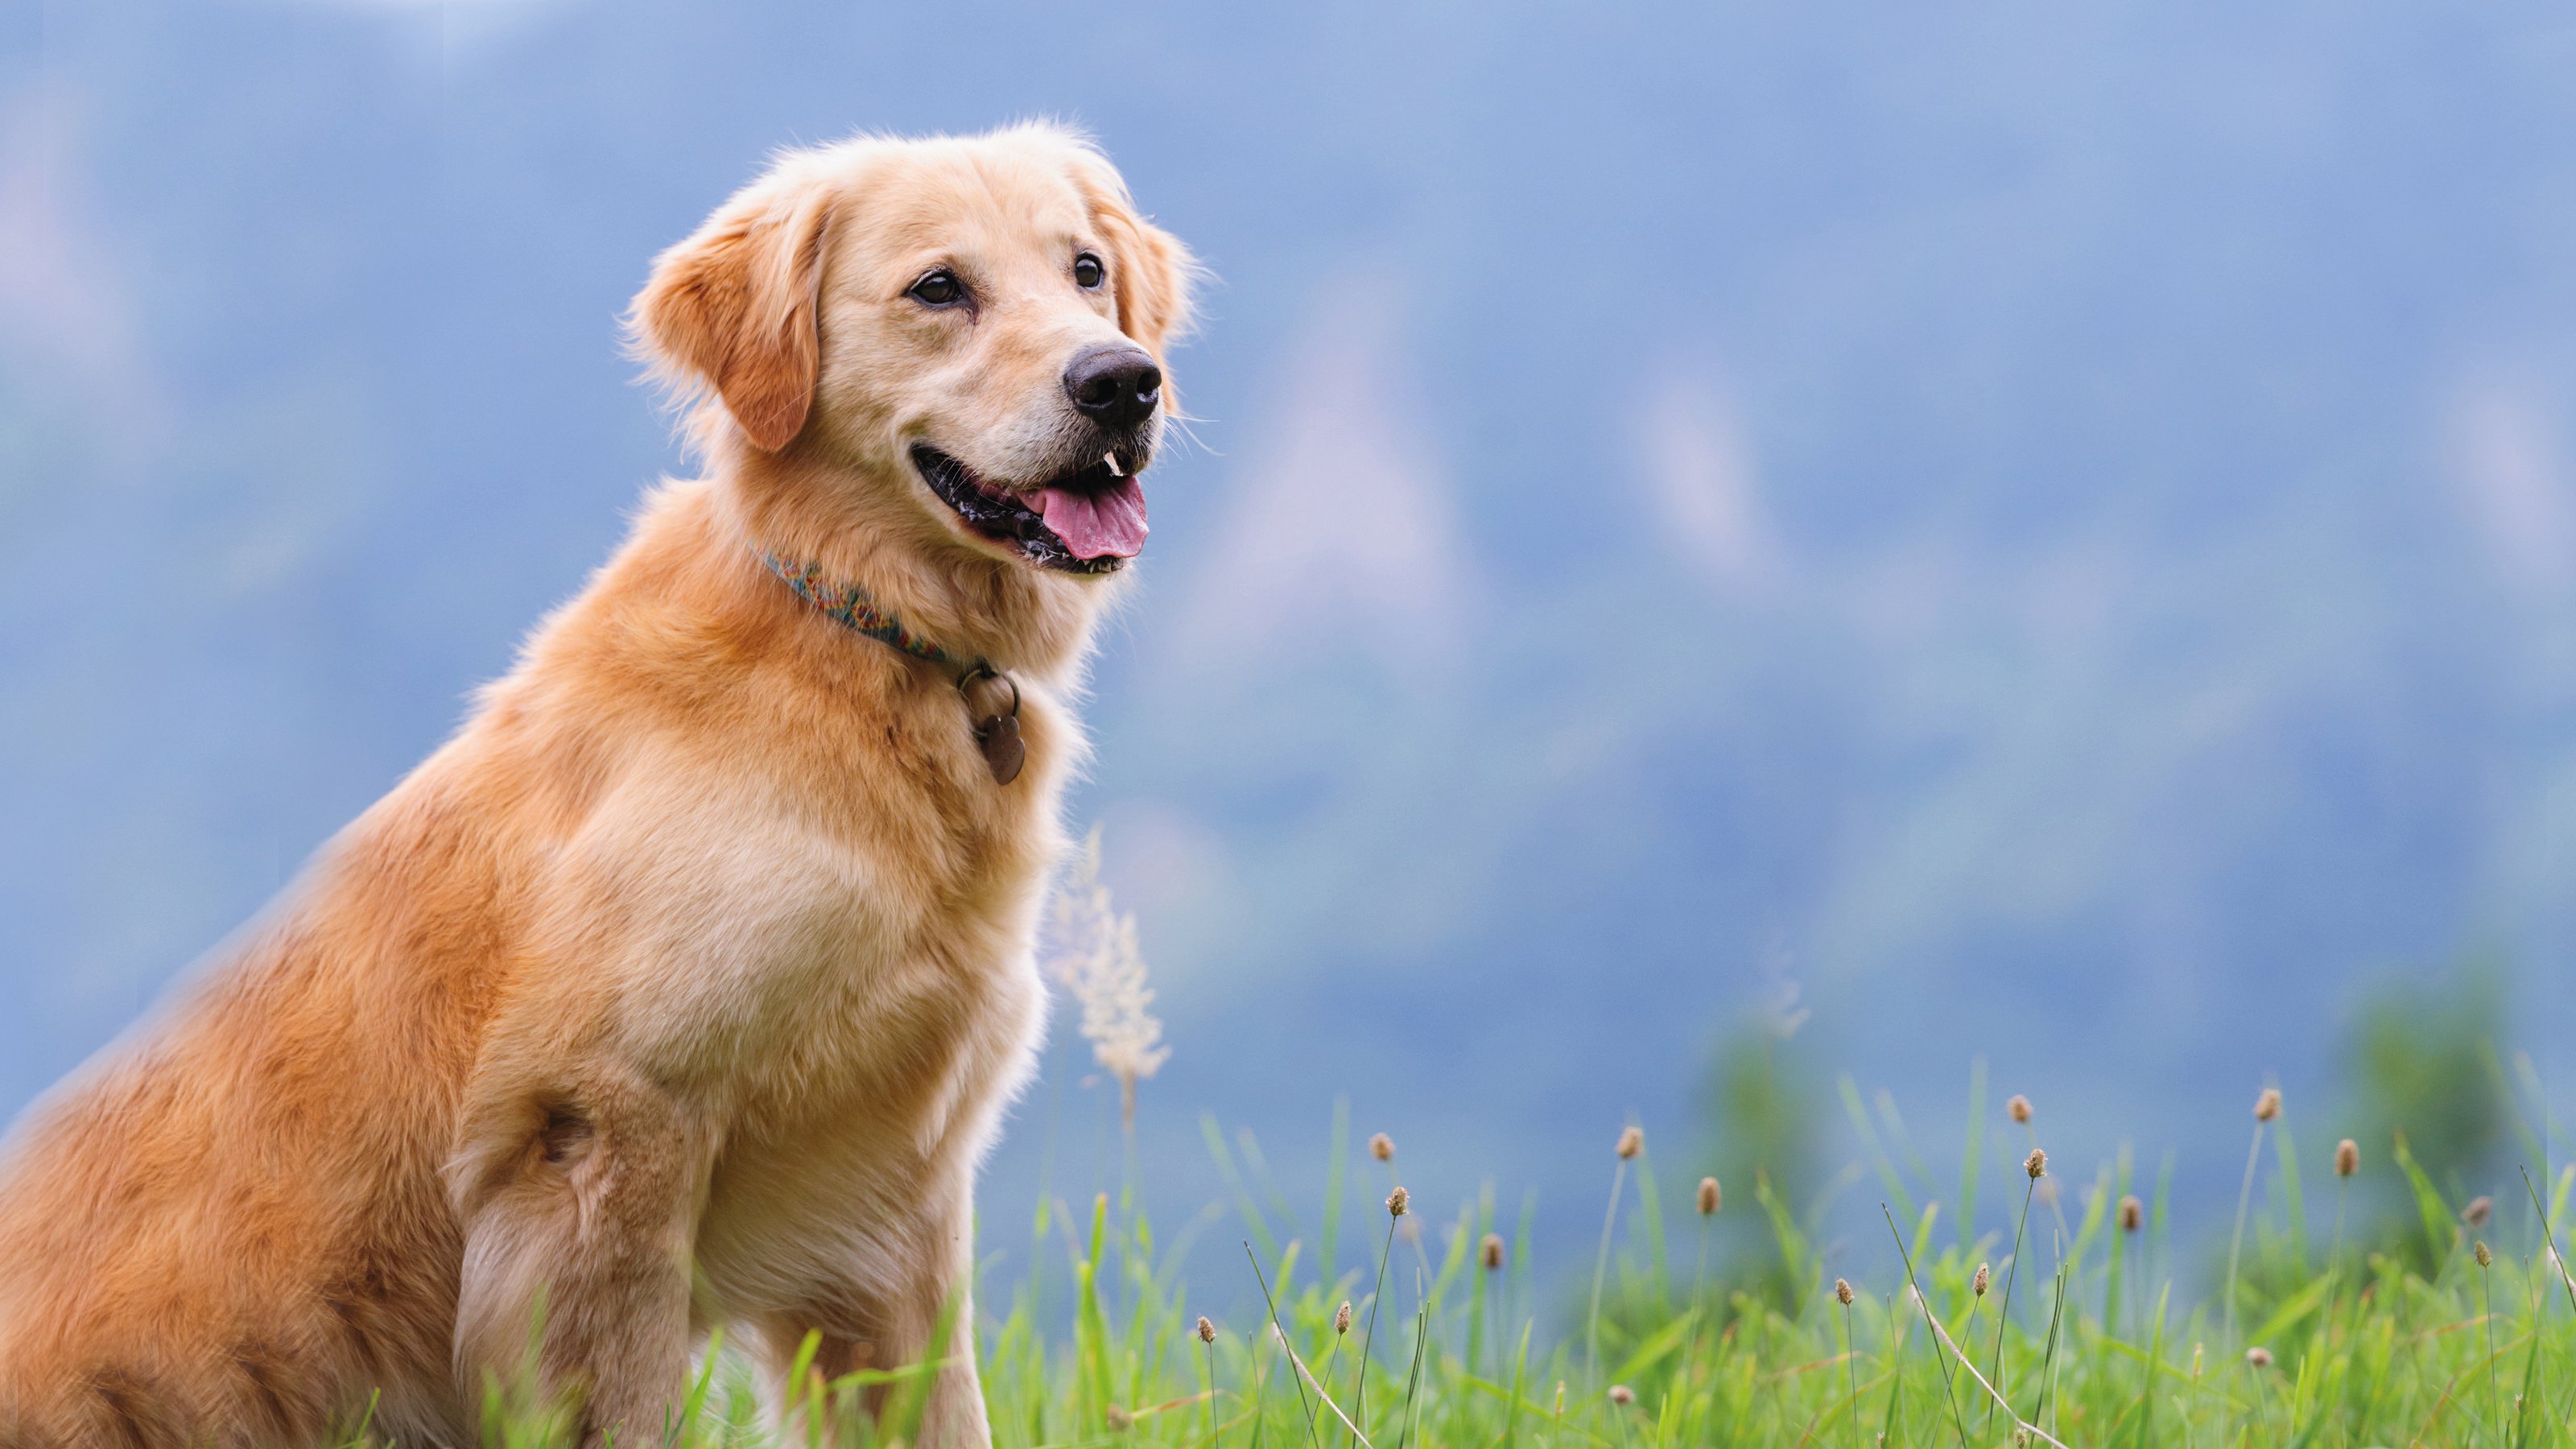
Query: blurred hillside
point(2050, 533)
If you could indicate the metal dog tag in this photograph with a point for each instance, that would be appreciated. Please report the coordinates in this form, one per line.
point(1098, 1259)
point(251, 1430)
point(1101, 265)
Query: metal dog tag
point(1004, 751)
point(997, 728)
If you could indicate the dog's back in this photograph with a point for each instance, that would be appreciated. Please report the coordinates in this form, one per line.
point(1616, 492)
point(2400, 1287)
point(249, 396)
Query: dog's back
point(233, 1226)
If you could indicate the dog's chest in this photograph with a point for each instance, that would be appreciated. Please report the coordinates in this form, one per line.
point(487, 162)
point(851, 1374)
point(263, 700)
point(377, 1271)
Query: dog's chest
point(871, 946)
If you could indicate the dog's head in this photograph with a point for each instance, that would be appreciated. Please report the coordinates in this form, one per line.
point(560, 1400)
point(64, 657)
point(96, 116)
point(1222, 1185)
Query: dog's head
point(977, 324)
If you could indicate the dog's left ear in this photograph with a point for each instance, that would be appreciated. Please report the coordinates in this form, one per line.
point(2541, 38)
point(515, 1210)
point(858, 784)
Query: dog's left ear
point(1152, 273)
point(733, 308)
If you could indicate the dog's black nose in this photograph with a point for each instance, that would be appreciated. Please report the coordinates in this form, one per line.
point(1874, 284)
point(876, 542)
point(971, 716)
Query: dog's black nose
point(1115, 385)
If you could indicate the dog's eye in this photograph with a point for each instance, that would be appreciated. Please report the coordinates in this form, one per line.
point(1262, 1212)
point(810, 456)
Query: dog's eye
point(939, 289)
point(1088, 272)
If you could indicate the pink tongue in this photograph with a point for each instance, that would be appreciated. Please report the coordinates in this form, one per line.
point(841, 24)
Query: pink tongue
point(1097, 521)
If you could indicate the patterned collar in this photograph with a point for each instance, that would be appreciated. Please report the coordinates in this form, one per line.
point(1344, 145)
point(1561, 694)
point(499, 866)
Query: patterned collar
point(851, 605)
point(996, 726)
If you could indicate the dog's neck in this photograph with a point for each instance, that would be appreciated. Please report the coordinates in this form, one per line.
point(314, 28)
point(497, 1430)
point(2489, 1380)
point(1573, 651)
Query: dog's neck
point(864, 531)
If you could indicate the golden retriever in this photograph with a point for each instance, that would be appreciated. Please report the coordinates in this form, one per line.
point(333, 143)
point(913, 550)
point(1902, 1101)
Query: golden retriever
point(686, 985)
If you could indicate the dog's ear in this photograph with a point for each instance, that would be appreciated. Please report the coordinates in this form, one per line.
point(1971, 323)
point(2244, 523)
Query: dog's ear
point(1154, 282)
point(733, 308)
point(1153, 273)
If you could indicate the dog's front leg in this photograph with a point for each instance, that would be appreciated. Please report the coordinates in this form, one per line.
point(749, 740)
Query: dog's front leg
point(580, 1192)
point(870, 1319)
point(954, 1416)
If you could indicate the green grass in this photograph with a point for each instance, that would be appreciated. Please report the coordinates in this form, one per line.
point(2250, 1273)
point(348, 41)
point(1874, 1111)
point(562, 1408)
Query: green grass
point(2406, 1341)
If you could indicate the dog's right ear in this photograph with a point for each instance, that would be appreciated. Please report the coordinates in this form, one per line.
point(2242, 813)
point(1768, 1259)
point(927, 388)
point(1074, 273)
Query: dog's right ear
point(733, 308)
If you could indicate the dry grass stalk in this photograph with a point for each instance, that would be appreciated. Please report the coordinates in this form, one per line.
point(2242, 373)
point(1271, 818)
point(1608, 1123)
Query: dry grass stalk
point(2020, 1424)
point(1281, 1336)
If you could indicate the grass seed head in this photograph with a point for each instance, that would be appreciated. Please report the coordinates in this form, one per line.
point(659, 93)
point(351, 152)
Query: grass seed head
point(1207, 1330)
point(2347, 1158)
point(1381, 1147)
point(1985, 1275)
point(1397, 1201)
point(1342, 1317)
point(1098, 962)
point(2036, 1164)
point(2484, 1257)
point(1120, 1421)
point(1708, 1196)
point(1843, 1292)
point(1632, 1141)
point(1490, 1251)
point(1622, 1395)
point(2479, 1210)
point(2133, 1214)
point(2268, 1105)
point(2018, 1108)
point(2259, 1356)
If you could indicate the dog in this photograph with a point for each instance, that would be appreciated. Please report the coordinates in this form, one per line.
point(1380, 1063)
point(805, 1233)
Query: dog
point(687, 984)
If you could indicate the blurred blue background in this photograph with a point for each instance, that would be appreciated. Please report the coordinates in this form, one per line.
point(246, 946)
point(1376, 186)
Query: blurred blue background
point(2015, 531)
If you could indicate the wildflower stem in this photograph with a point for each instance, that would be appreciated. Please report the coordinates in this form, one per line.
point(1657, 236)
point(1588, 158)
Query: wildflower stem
point(1601, 1270)
point(2003, 1311)
point(1215, 1436)
point(2486, 1311)
point(1851, 1377)
point(1368, 1339)
point(2334, 1256)
point(2236, 1242)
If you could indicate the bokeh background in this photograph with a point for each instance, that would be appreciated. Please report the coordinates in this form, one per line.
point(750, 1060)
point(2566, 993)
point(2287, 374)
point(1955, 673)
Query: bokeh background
point(1730, 545)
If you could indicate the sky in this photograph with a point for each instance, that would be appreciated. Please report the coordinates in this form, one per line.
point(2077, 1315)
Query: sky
point(1992, 531)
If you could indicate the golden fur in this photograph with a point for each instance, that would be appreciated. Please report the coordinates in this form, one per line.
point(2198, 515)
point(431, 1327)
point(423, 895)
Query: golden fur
point(687, 983)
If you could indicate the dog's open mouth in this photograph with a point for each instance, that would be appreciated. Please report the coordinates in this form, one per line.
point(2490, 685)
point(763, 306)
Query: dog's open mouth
point(1088, 521)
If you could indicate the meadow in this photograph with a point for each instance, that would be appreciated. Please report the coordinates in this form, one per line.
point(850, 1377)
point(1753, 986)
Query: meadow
point(2083, 1327)
point(2361, 1299)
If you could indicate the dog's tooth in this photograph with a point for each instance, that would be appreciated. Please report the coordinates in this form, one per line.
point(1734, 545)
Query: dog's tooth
point(1111, 458)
